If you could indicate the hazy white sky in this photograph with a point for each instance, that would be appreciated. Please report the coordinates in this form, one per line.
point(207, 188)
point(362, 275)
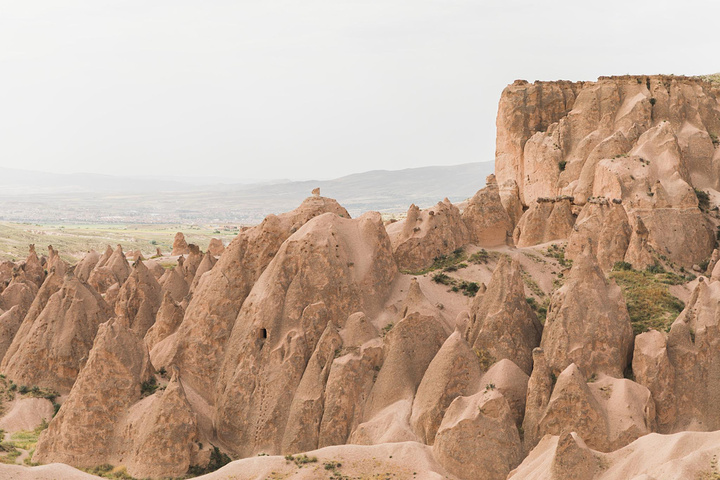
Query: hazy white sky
point(305, 89)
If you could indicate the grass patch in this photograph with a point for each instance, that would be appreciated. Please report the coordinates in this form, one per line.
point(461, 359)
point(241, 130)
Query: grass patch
point(531, 283)
point(481, 257)
point(442, 278)
point(386, 329)
point(469, 289)
point(22, 440)
point(109, 471)
point(485, 358)
point(558, 253)
point(648, 299)
point(300, 460)
point(450, 261)
point(540, 309)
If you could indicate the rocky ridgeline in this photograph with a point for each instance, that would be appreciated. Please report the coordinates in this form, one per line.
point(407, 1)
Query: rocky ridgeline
point(319, 346)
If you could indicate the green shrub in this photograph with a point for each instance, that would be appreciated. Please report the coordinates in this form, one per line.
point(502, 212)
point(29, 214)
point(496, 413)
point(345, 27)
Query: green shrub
point(648, 299)
point(703, 199)
point(620, 266)
point(148, 387)
point(655, 268)
point(562, 165)
point(217, 460)
point(469, 289)
point(483, 256)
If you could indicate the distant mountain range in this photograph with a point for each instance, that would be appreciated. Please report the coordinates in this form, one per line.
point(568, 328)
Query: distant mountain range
point(87, 198)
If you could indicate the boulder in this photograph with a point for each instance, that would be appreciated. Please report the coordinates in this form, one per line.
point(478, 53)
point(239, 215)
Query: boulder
point(478, 439)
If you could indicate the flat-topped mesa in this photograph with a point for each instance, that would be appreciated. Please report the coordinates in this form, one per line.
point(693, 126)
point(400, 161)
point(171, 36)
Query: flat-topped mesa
point(552, 134)
point(645, 142)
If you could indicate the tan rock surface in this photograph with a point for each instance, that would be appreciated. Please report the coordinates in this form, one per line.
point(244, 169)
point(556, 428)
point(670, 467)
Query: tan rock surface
point(488, 223)
point(54, 348)
point(115, 269)
point(83, 433)
point(455, 371)
point(426, 234)
point(139, 299)
point(653, 456)
point(508, 379)
point(206, 264)
point(216, 247)
point(180, 246)
point(544, 222)
point(478, 438)
point(164, 439)
point(350, 381)
point(681, 371)
point(502, 324)
point(587, 323)
point(409, 349)
point(326, 270)
point(173, 282)
point(603, 224)
point(643, 139)
point(199, 345)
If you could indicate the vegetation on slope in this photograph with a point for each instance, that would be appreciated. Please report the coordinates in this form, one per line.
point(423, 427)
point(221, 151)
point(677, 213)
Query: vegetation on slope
point(648, 298)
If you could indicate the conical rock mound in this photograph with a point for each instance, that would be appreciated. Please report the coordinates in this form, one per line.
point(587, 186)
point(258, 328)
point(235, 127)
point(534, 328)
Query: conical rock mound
point(52, 351)
point(329, 268)
point(502, 324)
point(588, 323)
point(83, 433)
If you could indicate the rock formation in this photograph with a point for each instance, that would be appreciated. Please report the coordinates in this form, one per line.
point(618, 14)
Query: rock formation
point(454, 372)
point(604, 225)
point(83, 433)
point(487, 221)
point(139, 299)
point(478, 438)
point(544, 222)
point(426, 234)
point(180, 246)
point(169, 317)
point(502, 324)
point(681, 370)
point(199, 344)
point(409, 348)
point(309, 332)
point(587, 323)
point(216, 247)
point(173, 282)
point(327, 269)
point(56, 344)
point(647, 140)
point(206, 264)
point(115, 269)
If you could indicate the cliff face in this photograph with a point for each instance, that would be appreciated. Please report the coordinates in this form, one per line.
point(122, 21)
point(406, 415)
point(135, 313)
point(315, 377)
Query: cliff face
point(553, 135)
point(644, 141)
